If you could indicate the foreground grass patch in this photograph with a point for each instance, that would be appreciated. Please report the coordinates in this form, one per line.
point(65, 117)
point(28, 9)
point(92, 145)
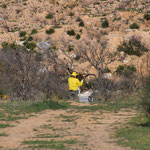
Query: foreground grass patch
point(14, 109)
point(136, 134)
point(47, 135)
point(114, 106)
point(58, 145)
point(69, 118)
point(5, 125)
point(3, 134)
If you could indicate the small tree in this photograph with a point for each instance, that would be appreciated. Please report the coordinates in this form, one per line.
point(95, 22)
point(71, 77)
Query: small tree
point(96, 53)
point(105, 24)
point(94, 50)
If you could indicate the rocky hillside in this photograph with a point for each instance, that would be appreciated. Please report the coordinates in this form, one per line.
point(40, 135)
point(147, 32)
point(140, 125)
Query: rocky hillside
point(65, 24)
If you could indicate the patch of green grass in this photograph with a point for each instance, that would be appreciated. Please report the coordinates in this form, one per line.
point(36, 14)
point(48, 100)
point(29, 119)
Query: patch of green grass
point(58, 145)
point(35, 129)
point(69, 118)
point(114, 106)
point(135, 134)
point(21, 107)
point(52, 128)
point(3, 134)
point(5, 125)
point(95, 118)
point(47, 135)
point(15, 110)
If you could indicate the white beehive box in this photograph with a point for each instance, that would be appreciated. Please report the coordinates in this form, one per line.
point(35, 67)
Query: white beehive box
point(86, 97)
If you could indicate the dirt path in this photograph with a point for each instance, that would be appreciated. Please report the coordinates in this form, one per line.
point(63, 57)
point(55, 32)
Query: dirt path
point(91, 129)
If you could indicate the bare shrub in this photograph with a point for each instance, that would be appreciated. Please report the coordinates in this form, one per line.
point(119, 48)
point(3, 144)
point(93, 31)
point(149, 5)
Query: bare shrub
point(145, 98)
point(52, 84)
point(94, 50)
point(20, 73)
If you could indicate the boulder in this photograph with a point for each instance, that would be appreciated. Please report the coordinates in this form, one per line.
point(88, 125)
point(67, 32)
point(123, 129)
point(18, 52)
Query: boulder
point(44, 45)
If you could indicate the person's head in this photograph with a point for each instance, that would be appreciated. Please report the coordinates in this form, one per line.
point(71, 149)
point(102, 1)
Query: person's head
point(74, 74)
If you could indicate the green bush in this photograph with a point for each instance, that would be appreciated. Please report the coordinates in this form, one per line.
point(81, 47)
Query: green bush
point(23, 38)
point(77, 57)
point(34, 31)
point(79, 19)
point(49, 16)
point(134, 26)
point(107, 70)
point(70, 48)
point(3, 5)
point(22, 33)
point(105, 24)
point(30, 38)
point(125, 70)
point(71, 14)
point(9, 45)
point(50, 31)
point(147, 16)
point(30, 45)
point(77, 36)
point(5, 44)
point(81, 24)
point(71, 32)
point(133, 47)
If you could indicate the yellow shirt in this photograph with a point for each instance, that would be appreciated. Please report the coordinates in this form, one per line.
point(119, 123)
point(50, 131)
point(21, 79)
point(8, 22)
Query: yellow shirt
point(74, 83)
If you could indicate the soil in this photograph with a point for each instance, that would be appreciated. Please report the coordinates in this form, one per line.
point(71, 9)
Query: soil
point(93, 129)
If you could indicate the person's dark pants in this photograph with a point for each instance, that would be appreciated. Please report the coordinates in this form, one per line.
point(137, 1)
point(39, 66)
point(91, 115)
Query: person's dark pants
point(73, 95)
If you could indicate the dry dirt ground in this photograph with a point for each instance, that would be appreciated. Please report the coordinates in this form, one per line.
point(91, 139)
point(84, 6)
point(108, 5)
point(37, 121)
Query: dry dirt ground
point(92, 130)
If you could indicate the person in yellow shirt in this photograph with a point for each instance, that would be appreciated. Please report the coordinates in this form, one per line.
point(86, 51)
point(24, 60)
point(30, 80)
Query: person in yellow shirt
point(74, 83)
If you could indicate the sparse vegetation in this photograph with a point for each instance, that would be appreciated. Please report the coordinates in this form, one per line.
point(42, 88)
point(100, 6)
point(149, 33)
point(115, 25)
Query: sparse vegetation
point(71, 32)
point(22, 33)
point(78, 36)
point(34, 31)
point(49, 16)
point(135, 133)
point(3, 5)
point(71, 14)
point(107, 70)
point(147, 16)
point(79, 19)
point(58, 145)
point(133, 47)
point(134, 26)
point(50, 31)
point(70, 48)
point(125, 70)
point(105, 24)
point(81, 24)
point(30, 45)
